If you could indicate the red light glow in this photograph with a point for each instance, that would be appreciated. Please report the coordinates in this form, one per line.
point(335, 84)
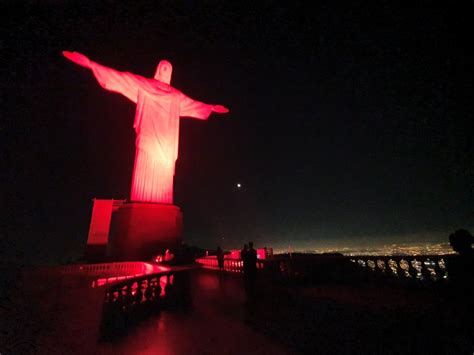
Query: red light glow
point(159, 107)
point(163, 283)
point(147, 270)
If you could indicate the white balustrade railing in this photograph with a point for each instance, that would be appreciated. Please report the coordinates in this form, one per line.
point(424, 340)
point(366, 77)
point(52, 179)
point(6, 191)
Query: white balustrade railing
point(426, 268)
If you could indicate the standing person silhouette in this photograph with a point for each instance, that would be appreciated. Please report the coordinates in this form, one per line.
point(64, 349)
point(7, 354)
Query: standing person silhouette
point(461, 266)
point(252, 262)
point(220, 258)
point(250, 269)
point(461, 276)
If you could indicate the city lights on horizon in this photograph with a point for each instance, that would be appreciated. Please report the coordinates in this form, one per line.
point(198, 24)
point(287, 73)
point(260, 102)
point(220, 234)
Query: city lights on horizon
point(388, 249)
point(420, 243)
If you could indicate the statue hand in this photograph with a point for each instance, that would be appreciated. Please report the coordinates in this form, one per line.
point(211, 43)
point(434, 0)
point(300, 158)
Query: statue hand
point(77, 58)
point(220, 109)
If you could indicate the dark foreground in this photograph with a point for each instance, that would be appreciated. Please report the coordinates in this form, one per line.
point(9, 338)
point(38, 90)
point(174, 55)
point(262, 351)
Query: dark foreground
point(220, 317)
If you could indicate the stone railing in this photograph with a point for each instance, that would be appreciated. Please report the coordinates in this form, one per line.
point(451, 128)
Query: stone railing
point(328, 268)
point(122, 268)
point(419, 268)
point(130, 300)
point(230, 265)
point(79, 304)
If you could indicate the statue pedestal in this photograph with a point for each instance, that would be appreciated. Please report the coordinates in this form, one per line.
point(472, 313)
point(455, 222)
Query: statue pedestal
point(139, 231)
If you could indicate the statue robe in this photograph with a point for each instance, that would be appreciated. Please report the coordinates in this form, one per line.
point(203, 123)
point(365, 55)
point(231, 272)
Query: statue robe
point(158, 109)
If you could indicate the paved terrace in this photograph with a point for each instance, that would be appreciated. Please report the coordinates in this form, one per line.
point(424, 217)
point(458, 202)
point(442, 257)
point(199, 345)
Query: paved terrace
point(220, 318)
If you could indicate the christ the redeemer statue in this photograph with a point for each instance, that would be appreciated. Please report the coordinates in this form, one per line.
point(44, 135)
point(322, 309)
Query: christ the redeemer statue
point(159, 107)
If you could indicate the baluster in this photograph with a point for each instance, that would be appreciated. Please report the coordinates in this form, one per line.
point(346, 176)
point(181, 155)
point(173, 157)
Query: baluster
point(149, 292)
point(139, 294)
point(109, 304)
point(405, 268)
point(428, 270)
point(371, 265)
point(169, 285)
point(414, 269)
point(128, 299)
point(393, 266)
point(156, 289)
point(381, 265)
point(163, 282)
point(443, 270)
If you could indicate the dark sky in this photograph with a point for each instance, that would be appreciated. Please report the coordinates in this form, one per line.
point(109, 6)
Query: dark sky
point(349, 124)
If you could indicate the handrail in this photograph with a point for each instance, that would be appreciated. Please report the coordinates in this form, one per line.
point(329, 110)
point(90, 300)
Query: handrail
point(230, 265)
point(425, 268)
point(137, 296)
point(116, 267)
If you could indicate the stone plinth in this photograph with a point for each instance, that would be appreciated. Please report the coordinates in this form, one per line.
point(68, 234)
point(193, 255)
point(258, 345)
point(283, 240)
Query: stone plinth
point(139, 231)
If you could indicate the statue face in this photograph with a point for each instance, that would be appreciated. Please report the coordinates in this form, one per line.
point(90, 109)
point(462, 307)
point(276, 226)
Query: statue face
point(163, 72)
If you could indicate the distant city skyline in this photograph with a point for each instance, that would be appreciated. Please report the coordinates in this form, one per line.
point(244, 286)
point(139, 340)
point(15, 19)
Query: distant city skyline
point(428, 248)
point(334, 244)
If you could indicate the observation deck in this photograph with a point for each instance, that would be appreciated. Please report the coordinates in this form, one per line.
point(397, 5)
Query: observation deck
point(324, 305)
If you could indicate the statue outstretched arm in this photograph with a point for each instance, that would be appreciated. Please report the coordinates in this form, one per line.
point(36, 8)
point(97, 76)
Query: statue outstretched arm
point(196, 109)
point(78, 58)
point(110, 79)
point(219, 109)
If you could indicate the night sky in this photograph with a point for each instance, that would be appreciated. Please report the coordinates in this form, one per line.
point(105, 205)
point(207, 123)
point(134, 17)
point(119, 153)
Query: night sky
point(349, 124)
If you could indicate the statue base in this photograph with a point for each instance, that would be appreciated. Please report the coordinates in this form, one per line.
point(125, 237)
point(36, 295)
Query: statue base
point(140, 231)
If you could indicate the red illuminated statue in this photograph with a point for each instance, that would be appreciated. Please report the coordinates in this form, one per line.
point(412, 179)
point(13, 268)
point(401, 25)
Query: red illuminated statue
point(159, 107)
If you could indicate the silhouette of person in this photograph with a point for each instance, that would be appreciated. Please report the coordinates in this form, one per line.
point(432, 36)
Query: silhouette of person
point(250, 269)
point(220, 258)
point(461, 266)
point(243, 256)
point(252, 261)
point(461, 277)
point(461, 241)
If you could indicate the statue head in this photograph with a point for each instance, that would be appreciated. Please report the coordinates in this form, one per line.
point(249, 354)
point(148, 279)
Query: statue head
point(163, 71)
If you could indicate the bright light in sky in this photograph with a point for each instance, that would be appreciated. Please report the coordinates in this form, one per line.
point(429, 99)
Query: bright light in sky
point(239, 185)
